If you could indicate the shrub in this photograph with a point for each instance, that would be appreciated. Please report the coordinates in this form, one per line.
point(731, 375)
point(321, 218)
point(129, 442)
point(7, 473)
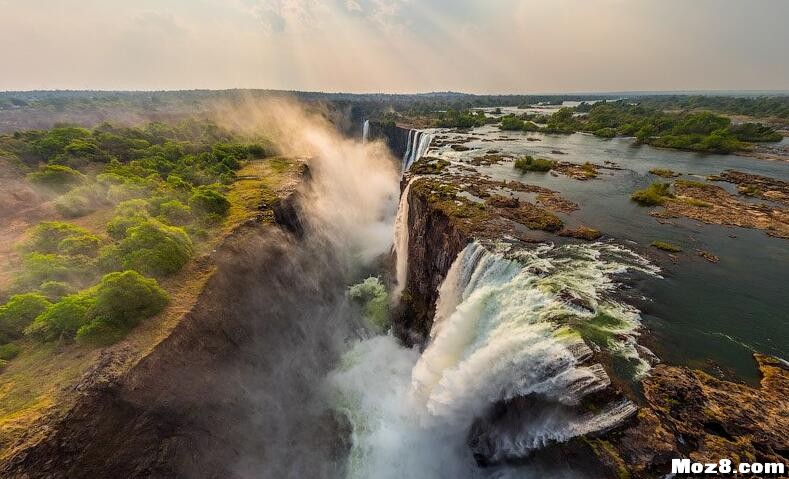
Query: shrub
point(54, 290)
point(19, 312)
point(256, 150)
point(664, 172)
point(45, 237)
point(154, 248)
point(8, 351)
point(754, 132)
point(40, 267)
point(175, 213)
point(207, 200)
point(122, 300)
point(654, 194)
point(605, 132)
point(57, 177)
point(82, 200)
point(666, 246)
point(84, 245)
point(511, 123)
point(530, 126)
point(62, 319)
point(128, 213)
point(529, 163)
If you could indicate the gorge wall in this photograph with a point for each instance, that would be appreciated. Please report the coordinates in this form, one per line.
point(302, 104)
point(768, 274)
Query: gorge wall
point(231, 389)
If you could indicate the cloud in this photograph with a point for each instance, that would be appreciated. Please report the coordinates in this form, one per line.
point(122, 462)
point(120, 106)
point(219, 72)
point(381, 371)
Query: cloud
point(395, 45)
point(352, 6)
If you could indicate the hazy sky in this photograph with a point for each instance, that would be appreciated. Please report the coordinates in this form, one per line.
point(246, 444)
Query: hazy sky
point(484, 46)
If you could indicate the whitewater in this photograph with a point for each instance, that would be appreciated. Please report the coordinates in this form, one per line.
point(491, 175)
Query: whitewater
point(507, 325)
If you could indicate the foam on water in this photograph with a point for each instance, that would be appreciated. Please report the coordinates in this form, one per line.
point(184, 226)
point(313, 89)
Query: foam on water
point(503, 329)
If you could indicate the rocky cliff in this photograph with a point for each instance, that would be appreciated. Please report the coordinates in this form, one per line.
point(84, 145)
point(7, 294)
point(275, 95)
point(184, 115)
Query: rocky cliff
point(214, 398)
point(683, 412)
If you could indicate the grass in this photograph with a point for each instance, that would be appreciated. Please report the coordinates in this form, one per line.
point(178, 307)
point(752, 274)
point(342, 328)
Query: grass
point(663, 172)
point(695, 202)
point(257, 185)
point(529, 163)
point(653, 195)
point(666, 246)
point(428, 166)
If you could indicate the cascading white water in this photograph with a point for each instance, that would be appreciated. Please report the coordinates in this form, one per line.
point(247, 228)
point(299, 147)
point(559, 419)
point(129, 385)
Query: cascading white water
point(418, 144)
point(365, 131)
point(503, 329)
point(401, 236)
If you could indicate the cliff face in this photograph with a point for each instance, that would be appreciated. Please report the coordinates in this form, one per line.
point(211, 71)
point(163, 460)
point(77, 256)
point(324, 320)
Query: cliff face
point(434, 242)
point(227, 393)
point(683, 413)
point(396, 137)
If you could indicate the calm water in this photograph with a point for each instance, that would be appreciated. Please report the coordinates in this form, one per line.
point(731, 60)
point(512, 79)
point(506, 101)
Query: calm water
point(712, 316)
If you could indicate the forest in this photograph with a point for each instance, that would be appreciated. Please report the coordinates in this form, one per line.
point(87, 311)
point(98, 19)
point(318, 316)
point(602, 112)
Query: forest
point(146, 198)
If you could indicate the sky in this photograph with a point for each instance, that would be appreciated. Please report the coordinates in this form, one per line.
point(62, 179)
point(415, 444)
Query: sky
point(398, 46)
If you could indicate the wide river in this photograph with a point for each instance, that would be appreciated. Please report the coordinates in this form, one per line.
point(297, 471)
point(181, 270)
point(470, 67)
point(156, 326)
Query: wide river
point(708, 315)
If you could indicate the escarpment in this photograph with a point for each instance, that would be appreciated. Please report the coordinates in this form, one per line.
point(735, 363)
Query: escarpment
point(217, 397)
point(434, 243)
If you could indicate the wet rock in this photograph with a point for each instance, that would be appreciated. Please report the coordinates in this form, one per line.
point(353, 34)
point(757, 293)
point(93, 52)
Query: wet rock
point(582, 232)
point(689, 413)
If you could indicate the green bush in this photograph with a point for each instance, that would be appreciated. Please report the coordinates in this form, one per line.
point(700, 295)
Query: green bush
point(46, 236)
point(9, 351)
point(605, 132)
point(529, 163)
point(175, 213)
point(122, 300)
point(85, 245)
point(82, 200)
point(62, 319)
point(154, 248)
point(754, 132)
point(654, 194)
point(207, 200)
point(57, 177)
point(54, 290)
point(19, 312)
point(40, 267)
point(511, 123)
point(128, 213)
point(666, 246)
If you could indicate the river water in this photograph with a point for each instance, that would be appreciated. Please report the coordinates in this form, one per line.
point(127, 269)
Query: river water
point(712, 316)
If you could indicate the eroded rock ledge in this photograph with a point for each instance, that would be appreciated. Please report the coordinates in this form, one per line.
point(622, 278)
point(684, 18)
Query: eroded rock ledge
point(683, 413)
point(688, 413)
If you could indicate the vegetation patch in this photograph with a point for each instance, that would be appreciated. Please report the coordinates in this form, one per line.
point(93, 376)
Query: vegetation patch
point(372, 296)
point(582, 232)
point(666, 246)
point(529, 163)
point(654, 194)
point(663, 172)
point(429, 166)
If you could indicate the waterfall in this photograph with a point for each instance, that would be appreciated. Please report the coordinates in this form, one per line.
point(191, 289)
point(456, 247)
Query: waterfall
point(418, 144)
point(365, 131)
point(504, 329)
point(408, 148)
point(401, 243)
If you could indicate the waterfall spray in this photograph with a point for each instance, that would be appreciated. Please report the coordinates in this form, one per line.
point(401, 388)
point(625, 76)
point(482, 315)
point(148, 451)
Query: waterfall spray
point(503, 330)
point(365, 131)
point(400, 246)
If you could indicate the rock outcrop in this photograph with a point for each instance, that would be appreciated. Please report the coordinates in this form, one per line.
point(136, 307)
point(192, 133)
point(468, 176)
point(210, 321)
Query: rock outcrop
point(688, 413)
